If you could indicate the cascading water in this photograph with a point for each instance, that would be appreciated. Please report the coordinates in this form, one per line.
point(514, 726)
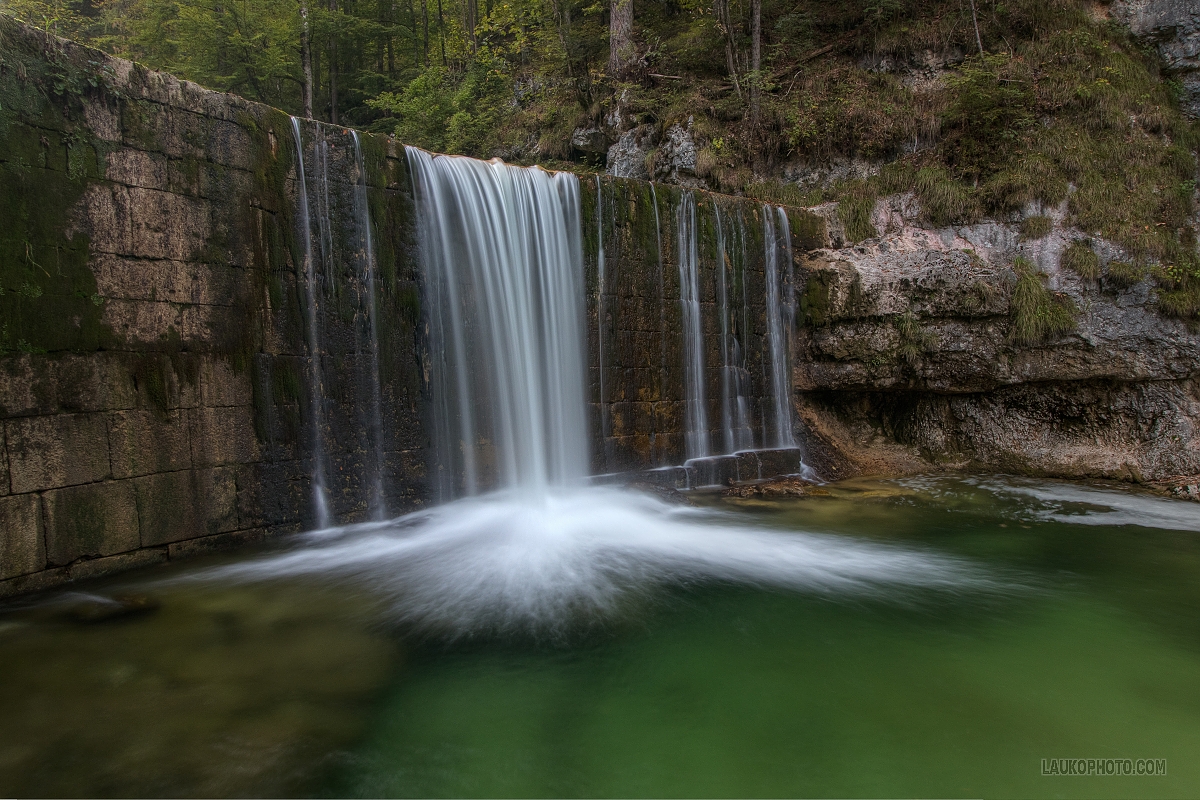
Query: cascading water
point(737, 434)
point(503, 258)
point(504, 303)
point(362, 212)
point(312, 333)
point(696, 418)
point(779, 326)
point(602, 406)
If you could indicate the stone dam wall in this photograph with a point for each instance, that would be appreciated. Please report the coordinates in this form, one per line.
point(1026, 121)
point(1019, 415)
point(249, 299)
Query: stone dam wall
point(154, 362)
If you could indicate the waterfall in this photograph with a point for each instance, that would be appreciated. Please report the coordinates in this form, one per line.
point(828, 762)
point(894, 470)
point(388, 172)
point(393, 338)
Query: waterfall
point(362, 212)
point(662, 295)
point(696, 431)
point(737, 434)
point(503, 259)
point(780, 324)
point(312, 319)
point(602, 406)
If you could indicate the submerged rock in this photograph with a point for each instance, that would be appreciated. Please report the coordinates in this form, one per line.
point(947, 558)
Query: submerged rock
point(99, 608)
point(780, 487)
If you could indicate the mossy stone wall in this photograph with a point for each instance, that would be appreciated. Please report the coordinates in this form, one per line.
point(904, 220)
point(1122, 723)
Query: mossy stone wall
point(152, 337)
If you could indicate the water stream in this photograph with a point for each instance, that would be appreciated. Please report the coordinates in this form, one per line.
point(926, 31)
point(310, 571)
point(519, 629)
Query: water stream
point(312, 315)
point(696, 431)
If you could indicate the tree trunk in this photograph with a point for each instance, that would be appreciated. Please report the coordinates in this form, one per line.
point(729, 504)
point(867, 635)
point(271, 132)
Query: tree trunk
point(721, 12)
point(425, 26)
point(755, 57)
point(442, 32)
point(306, 61)
point(471, 8)
point(621, 50)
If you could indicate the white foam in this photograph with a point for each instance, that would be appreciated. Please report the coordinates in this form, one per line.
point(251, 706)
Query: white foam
point(512, 561)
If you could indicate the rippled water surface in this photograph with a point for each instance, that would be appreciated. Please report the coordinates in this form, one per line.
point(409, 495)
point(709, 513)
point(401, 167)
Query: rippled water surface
point(934, 637)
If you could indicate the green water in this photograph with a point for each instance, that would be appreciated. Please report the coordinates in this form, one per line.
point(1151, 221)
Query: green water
point(1085, 645)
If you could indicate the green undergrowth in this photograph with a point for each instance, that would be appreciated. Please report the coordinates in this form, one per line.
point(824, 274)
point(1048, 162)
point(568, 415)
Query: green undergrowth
point(1038, 315)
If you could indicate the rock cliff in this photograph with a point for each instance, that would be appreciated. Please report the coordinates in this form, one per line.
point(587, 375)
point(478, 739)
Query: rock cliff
point(907, 358)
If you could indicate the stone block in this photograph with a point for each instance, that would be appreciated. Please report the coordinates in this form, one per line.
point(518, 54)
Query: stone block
point(101, 119)
point(219, 542)
point(22, 545)
point(223, 436)
point(99, 519)
point(103, 214)
point(275, 494)
point(91, 382)
point(141, 322)
point(169, 226)
point(17, 395)
point(95, 567)
point(142, 442)
point(137, 168)
point(44, 384)
point(214, 326)
point(5, 486)
point(175, 506)
point(60, 450)
point(221, 385)
point(124, 278)
point(34, 582)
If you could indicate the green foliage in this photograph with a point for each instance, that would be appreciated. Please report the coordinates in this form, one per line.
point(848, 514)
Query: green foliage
point(854, 210)
point(991, 107)
point(1036, 227)
point(1179, 289)
point(1122, 274)
point(913, 340)
point(1037, 315)
point(943, 201)
point(1080, 258)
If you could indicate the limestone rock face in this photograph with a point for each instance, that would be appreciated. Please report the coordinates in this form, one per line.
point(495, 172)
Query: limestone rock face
point(627, 158)
point(906, 342)
point(676, 159)
point(1173, 28)
point(589, 140)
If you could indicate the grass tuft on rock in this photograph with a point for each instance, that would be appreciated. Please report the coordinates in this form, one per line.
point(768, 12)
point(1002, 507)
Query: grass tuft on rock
point(1081, 259)
point(1038, 315)
point(914, 341)
point(1122, 274)
point(855, 208)
point(1036, 227)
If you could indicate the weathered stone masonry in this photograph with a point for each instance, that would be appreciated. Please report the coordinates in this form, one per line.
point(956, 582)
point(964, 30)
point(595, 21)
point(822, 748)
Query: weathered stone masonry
point(151, 348)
